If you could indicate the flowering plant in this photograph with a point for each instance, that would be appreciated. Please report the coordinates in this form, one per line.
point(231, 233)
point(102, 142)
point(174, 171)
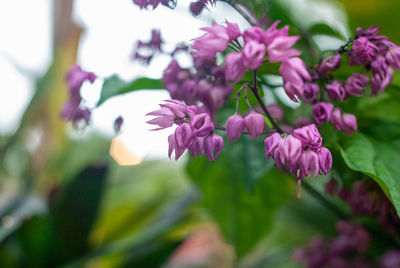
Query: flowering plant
point(227, 106)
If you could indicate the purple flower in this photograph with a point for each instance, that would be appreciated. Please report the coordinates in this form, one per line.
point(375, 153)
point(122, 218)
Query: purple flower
point(75, 113)
point(166, 116)
point(234, 127)
point(308, 164)
point(322, 112)
point(272, 144)
point(336, 90)
point(235, 69)
point(213, 146)
point(272, 33)
point(196, 149)
point(253, 34)
point(345, 122)
point(309, 136)
point(310, 91)
point(172, 147)
point(294, 73)
point(75, 78)
point(202, 124)
point(233, 30)
point(355, 84)
point(254, 123)
point(280, 50)
point(253, 54)
point(330, 63)
point(216, 39)
point(290, 149)
point(393, 57)
point(184, 136)
point(364, 50)
point(382, 75)
point(325, 160)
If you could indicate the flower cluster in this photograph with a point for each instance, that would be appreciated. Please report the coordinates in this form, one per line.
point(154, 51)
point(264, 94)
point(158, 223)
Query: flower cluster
point(343, 251)
point(205, 83)
point(194, 131)
point(324, 111)
point(301, 153)
point(73, 109)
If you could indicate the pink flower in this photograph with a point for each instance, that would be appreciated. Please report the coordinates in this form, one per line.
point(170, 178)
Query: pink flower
point(196, 149)
point(345, 122)
point(308, 164)
point(325, 160)
point(253, 54)
point(355, 84)
point(364, 50)
point(272, 144)
point(213, 146)
point(234, 127)
point(309, 136)
point(233, 30)
point(322, 112)
point(330, 63)
point(254, 123)
point(290, 149)
point(235, 69)
point(294, 73)
point(280, 50)
point(393, 57)
point(272, 33)
point(253, 34)
point(216, 39)
point(310, 91)
point(201, 124)
point(336, 90)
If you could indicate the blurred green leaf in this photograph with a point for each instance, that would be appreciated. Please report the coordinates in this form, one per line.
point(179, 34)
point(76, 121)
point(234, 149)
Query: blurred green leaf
point(114, 86)
point(75, 210)
point(242, 191)
point(325, 29)
point(378, 160)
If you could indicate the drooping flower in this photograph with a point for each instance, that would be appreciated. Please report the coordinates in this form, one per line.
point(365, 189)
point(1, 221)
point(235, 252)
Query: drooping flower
point(330, 63)
point(290, 149)
point(325, 160)
point(364, 50)
point(254, 123)
point(213, 146)
point(295, 74)
point(336, 90)
point(253, 54)
point(235, 69)
point(310, 91)
point(393, 57)
point(382, 75)
point(234, 127)
point(322, 112)
point(355, 84)
point(309, 136)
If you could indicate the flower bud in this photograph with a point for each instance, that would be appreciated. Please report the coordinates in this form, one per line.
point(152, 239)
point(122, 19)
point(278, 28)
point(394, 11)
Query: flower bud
point(202, 124)
point(235, 69)
point(349, 122)
point(196, 149)
point(309, 136)
point(393, 57)
point(272, 144)
point(213, 146)
point(310, 91)
point(325, 160)
point(322, 112)
point(234, 127)
point(290, 149)
point(364, 50)
point(355, 84)
point(330, 63)
point(336, 90)
point(254, 123)
point(184, 136)
point(308, 164)
point(253, 54)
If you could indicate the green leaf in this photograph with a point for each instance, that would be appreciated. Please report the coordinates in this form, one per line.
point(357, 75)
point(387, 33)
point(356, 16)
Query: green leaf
point(114, 86)
point(325, 29)
point(378, 160)
point(245, 214)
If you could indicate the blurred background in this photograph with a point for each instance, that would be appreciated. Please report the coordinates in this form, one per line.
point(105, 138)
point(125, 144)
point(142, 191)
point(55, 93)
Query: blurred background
point(92, 198)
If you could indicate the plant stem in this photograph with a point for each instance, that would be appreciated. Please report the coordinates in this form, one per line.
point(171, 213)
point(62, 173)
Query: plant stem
point(254, 89)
